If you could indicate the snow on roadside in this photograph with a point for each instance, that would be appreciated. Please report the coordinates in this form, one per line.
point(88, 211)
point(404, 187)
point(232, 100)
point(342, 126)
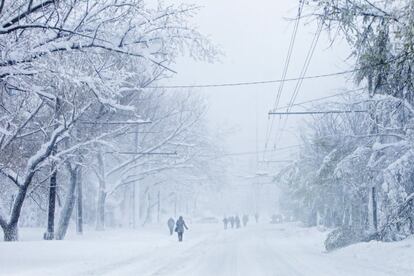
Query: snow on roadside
point(396, 258)
point(95, 251)
point(286, 248)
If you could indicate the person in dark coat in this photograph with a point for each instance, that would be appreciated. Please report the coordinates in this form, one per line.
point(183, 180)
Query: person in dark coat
point(237, 221)
point(179, 228)
point(171, 224)
point(256, 217)
point(231, 220)
point(225, 222)
point(245, 220)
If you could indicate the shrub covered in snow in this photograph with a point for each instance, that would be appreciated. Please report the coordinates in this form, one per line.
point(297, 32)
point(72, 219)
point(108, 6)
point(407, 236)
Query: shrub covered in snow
point(342, 237)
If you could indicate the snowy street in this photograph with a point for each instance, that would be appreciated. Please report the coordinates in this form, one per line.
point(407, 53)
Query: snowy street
point(207, 138)
point(263, 249)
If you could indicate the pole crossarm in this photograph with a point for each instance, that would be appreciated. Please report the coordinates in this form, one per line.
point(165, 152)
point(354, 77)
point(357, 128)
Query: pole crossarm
point(272, 113)
point(276, 161)
point(141, 153)
point(116, 123)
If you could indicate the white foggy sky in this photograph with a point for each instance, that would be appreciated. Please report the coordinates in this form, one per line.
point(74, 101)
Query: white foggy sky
point(255, 35)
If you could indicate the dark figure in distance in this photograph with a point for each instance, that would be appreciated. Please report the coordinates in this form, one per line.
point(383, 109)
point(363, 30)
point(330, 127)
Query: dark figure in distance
point(179, 228)
point(256, 217)
point(225, 221)
point(237, 221)
point(231, 219)
point(171, 224)
point(245, 220)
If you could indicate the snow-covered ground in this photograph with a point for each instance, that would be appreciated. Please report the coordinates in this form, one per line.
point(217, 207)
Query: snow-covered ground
point(263, 249)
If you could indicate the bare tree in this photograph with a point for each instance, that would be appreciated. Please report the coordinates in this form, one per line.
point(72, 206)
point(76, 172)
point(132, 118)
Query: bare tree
point(84, 55)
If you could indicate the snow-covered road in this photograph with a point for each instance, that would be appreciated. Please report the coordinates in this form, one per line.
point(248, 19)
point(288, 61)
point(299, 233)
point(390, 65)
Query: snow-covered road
point(264, 249)
point(260, 250)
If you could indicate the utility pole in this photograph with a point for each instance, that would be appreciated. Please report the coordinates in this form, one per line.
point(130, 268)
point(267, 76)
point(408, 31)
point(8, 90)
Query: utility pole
point(374, 130)
point(134, 186)
point(158, 206)
point(175, 206)
point(79, 202)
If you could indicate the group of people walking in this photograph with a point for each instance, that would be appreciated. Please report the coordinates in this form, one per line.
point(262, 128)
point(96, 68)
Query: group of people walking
point(179, 225)
point(235, 222)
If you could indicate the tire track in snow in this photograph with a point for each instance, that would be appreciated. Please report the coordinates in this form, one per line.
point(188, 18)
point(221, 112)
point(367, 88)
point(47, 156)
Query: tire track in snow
point(195, 254)
point(144, 261)
point(234, 252)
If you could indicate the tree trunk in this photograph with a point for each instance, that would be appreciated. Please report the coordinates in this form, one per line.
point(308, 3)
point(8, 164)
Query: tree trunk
point(100, 215)
point(125, 214)
point(49, 235)
point(79, 201)
point(133, 202)
point(11, 229)
point(11, 233)
point(374, 209)
point(11, 204)
point(67, 210)
point(100, 210)
point(141, 203)
point(148, 217)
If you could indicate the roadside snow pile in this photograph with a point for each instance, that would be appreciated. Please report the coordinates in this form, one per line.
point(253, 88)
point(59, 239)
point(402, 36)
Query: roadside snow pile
point(95, 253)
point(262, 249)
point(394, 258)
point(342, 237)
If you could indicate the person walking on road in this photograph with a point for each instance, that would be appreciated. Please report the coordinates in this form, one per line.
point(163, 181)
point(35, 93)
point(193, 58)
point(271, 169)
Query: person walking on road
point(256, 217)
point(179, 228)
point(245, 220)
point(237, 221)
point(231, 219)
point(171, 224)
point(225, 222)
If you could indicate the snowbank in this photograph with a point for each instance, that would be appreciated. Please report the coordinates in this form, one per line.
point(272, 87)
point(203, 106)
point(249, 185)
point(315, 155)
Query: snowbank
point(263, 249)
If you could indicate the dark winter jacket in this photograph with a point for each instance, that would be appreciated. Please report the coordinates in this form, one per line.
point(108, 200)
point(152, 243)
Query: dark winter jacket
point(171, 223)
point(180, 225)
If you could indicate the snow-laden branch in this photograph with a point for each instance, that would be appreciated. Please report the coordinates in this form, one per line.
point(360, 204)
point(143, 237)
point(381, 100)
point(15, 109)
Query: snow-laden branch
point(143, 174)
point(12, 175)
point(171, 136)
point(21, 127)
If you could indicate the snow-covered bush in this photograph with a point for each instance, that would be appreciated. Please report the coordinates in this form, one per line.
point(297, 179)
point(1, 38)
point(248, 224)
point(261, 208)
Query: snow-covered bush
point(342, 237)
point(364, 174)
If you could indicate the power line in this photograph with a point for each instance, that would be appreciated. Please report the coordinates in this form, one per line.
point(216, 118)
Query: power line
point(263, 82)
point(300, 81)
point(322, 98)
point(289, 55)
point(252, 152)
point(284, 74)
point(251, 83)
point(317, 99)
point(306, 65)
point(318, 112)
